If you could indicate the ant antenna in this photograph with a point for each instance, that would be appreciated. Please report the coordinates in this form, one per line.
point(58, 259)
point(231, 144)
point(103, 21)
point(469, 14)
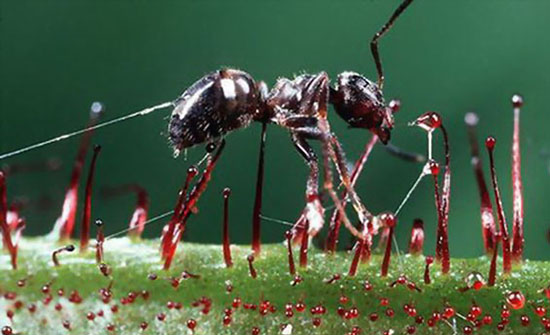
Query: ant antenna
point(374, 42)
point(81, 131)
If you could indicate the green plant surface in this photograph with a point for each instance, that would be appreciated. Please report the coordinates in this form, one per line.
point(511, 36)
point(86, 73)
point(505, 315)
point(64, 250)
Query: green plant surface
point(133, 262)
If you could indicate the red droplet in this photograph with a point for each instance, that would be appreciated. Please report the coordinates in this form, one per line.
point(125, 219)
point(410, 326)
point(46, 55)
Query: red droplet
point(428, 121)
point(515, 299)
point(373, 316)
point(540, 311)
point(143, 325)
point(6, 330)
point(316, 322)
point(448, 312)
point(475, 310)
point(191, 324)
point(524, 320)
point(343, 299)
point(434, 168)
point(367, 285)
point(490, 142)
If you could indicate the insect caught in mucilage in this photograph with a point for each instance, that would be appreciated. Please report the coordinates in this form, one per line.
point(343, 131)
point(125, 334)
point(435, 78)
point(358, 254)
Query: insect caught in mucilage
point(229, 99)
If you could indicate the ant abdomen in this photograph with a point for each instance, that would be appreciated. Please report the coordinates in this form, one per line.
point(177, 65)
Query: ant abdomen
point(216, 104)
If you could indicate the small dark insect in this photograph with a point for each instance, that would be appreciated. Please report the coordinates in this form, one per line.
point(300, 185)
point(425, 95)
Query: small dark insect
point(229, 99)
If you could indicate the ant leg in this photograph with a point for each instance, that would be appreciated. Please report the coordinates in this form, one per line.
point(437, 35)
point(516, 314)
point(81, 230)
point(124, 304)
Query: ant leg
point(374, 42)
point(328, 155)
point(314, 211)
point(335, 221)
point(339, 158)
point(315, 103)
point(402, 154)
point(257, 211)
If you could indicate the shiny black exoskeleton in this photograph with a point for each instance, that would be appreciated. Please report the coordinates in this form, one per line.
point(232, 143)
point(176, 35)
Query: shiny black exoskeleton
point(230, 99)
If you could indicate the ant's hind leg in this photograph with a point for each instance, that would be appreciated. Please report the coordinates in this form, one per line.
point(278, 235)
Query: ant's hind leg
point(314, 211)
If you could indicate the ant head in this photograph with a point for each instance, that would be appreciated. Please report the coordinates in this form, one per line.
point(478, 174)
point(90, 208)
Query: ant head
point(361, 104)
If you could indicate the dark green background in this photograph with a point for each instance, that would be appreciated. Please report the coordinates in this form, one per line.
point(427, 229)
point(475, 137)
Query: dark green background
point(449, 56)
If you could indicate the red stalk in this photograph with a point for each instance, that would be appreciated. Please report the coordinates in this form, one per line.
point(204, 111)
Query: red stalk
point(488, 226)
point(506, 256)
point(291, 266)
point(443, 229)
point(6, 233)
point(517, 228)
point(304, 246)
point(226, 246)
point(416, 243)
point(85, 231)
point(168, 231)
point(100, 238)
point(140, 214)
point(387, 255)
point(190, 203)
point(388, 220)
point(359, 247)
point(493, 268)
point(65, 223)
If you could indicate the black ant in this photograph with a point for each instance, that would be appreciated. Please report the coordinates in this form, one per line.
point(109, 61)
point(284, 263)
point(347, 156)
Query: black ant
point(229, 99)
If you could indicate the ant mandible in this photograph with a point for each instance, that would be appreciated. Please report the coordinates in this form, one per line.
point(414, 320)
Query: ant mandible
point(229, 99)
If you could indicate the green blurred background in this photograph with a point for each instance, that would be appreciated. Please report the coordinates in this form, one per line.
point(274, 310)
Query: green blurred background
point(449, 56)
